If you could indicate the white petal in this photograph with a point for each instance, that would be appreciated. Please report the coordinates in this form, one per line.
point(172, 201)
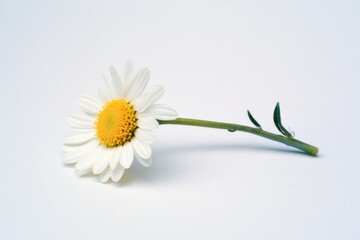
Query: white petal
point(141, 149)
point(83, 171)
point(115, 157)
point(160, 112)
point(80, 121)
point(144, 136)
point(143, 161)
point(81, 131)
point(104, 91)
point(85, 164)
point(150, 96)
point(126, 155)
point(79, 138)
point(117, 173)
point(148, 123)
point(117, 83)
point(105, 175)
point(72, 157)
point(103, 161)
point(136, 87)
point(128, 71)
point(90, 105)
point(88, 161)
point(111, 88)
point(71, 148)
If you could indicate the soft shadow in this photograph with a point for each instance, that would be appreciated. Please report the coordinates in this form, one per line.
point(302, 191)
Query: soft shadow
point(228, 147)
point(166, 165)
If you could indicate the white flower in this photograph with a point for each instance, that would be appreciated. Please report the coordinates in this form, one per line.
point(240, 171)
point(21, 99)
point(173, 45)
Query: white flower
point(118, 125)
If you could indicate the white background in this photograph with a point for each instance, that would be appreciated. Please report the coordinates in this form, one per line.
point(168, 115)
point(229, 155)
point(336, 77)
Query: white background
point(216, 59)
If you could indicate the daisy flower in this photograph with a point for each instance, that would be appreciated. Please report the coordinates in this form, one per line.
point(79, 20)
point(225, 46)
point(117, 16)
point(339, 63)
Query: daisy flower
point(117, 126)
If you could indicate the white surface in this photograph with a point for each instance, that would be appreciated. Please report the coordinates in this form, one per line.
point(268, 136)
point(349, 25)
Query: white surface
point(215, 59)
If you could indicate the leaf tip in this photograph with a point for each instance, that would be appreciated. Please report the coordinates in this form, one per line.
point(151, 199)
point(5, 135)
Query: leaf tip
point(252, 119)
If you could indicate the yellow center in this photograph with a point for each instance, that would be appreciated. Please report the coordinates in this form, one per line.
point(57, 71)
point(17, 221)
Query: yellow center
point(116, 123)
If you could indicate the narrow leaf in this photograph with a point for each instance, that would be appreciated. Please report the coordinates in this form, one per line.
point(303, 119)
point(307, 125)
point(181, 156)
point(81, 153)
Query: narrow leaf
point(252, 119)
point(277, 121)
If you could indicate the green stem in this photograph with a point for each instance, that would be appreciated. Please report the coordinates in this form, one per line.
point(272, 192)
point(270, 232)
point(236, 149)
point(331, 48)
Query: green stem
point(308, 149)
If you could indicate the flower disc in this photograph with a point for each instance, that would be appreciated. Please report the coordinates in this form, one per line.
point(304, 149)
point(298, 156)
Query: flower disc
point(116, 123)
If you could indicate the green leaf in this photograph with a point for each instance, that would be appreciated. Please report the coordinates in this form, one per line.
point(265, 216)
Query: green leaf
point(252, 119)
point(277, 121)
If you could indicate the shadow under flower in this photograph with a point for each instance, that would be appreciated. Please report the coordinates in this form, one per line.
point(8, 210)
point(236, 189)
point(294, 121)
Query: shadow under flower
point(166, 165)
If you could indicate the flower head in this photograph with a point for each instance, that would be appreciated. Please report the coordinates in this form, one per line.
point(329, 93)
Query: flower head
point(117, 126)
